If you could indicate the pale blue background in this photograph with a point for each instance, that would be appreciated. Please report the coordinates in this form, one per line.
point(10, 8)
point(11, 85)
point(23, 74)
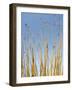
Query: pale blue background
point(36, 27)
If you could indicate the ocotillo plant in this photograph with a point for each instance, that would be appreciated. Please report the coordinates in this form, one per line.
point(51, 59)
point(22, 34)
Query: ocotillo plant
point(45, 58)
point(33, 64)
point(41, 62)
point(27, 68)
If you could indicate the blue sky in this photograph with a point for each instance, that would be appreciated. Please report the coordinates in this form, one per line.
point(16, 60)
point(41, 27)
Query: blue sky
point(38, 27)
